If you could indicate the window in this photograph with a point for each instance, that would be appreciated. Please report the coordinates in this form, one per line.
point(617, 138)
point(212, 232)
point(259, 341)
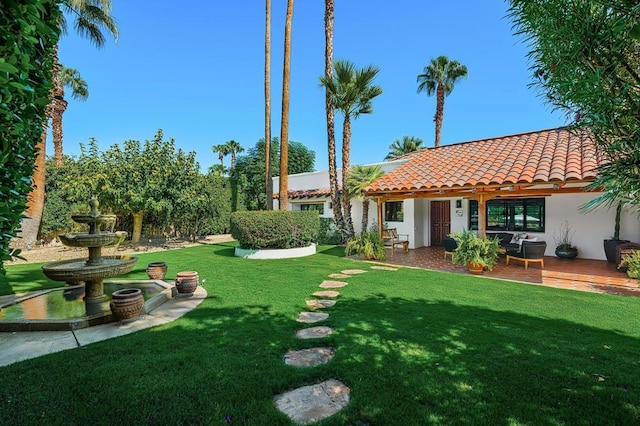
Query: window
point(393, 211)
point(317, 207)
point(521, 214)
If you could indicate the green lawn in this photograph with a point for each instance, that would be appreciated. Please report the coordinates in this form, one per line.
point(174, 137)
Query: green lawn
point(416, 347)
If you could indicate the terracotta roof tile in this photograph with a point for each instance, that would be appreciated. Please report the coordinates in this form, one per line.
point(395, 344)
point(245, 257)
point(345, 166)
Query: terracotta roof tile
point(544, 156)
point(306, 193)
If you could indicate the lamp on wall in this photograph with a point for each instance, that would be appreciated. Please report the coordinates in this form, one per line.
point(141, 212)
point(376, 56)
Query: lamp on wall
point(473, 190)
point(555, 186)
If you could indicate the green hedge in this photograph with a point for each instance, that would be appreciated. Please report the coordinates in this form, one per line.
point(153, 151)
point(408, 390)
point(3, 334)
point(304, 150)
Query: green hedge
point(275, 229)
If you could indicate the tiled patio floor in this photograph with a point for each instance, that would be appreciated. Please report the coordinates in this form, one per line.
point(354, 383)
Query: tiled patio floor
point(597, 276)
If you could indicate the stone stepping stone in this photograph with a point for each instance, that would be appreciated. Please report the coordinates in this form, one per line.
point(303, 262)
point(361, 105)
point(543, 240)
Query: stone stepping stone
point(308, 357)
point(327, 293)
point(314, 332)
point(333, 284)
point(311, 317)
point(310, 404)
point(353, 271)
point(320, 303)
point(384, 268)
point(339, 276)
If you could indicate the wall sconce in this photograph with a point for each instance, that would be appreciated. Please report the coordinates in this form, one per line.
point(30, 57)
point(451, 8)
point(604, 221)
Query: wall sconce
point(473, 190)
point(510, 188)
point(330, 205)
point(458, 204)
point(555, 186)
point(441, 191)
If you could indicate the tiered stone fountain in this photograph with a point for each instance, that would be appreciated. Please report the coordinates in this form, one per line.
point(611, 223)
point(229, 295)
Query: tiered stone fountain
point(96, 268)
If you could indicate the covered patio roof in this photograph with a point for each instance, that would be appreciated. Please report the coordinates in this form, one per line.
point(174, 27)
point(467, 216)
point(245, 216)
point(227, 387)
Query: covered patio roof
point(539, 163)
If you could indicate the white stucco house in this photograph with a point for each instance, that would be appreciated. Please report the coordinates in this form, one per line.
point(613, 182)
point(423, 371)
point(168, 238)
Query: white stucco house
point(530, 182)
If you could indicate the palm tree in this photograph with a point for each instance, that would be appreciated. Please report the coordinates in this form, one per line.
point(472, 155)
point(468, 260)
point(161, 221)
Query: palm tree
point(284, 123)
point(267, 106)
point(217, 169)
point(359, 178)
point(331, 138)
point(351, 92)
point(439, 77)
point(233, 148)
point(70, 78)
point(222, 150)
point(399, 148)
point(91, 19)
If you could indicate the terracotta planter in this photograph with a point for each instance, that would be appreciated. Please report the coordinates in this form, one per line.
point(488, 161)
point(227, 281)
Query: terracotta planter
point(157, 270)
point(126, 303)
point(475, 269)
point(186, 282)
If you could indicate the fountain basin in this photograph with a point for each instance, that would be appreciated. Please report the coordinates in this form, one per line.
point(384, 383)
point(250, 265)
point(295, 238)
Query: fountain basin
point(88, 240)
point(76, 270)
point(99, 219)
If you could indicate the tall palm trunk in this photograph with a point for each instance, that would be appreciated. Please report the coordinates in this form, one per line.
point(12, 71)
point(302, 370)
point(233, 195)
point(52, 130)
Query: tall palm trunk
point(284, 123)
point(331, 138)
point(59, 106)
point(346, 203)
point(439, 111)
point(267, 107)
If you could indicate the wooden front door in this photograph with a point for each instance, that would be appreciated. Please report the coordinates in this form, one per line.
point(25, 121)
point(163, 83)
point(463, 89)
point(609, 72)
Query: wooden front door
point(440, 221)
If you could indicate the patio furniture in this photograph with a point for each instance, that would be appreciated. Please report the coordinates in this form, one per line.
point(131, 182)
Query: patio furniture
point(391, 238)
point(450, 245)
point(530, 251)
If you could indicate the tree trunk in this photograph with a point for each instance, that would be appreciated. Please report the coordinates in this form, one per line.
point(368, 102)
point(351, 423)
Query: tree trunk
point(439, 111)
point(346, 206)
point(137, 226)
point(331, 138)
point(30, 225)
point(365, 214)
point(267, 107)
point(59, 107)
point(284, 123)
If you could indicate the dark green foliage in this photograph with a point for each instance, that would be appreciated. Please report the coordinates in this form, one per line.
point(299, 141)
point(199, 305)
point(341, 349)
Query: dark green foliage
point(329, 232)
point(585, 60)
point(275, 229)
point(250, 169)
point(28, 33)
point(368, 244)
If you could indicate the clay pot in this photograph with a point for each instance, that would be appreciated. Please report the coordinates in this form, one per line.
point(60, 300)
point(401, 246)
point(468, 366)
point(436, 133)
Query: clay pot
point(475, 269)
point(186, 282)
point(126, 303)
point(157, 270)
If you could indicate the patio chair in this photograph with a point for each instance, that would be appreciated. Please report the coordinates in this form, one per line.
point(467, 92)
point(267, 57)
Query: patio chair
point(530, 251)
point(391, 238)
point(450, 245)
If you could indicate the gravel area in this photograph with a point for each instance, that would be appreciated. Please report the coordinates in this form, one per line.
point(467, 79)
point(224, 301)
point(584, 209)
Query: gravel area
point(60, 252)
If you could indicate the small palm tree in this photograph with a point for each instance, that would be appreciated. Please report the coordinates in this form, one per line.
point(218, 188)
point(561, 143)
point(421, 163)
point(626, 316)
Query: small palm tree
point(71, 79)
point(359, 178)
point(351, 91)
point(439, 77)
point(399, 148)
point(233, 148)
point(217, 170)
point(222, 150)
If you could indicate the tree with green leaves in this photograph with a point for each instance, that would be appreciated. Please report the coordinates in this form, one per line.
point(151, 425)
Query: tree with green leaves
point(408, 144)
point(28, 35)
point(233, 148)
point(352, 91)
point(250, 169)
point(146, 178)
point(222, 150)
point(359, 178)
point(439, 78)
point(71, 79)
point(92, 19)
point(585, 61)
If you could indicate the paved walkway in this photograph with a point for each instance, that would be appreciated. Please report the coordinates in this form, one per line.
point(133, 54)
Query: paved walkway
point(596, 276)
point(18, 346)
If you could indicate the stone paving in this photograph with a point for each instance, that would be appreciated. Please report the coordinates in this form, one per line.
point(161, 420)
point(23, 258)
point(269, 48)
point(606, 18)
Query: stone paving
point(310, 404)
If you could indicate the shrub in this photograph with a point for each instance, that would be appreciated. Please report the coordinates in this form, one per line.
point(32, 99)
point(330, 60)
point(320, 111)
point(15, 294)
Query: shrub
point(368, 244)
point(275, 229)
point(473, 249)
point(632, 261)
point(329, 232)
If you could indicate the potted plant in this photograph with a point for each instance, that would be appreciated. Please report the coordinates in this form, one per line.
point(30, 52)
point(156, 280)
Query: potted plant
point(475, 252)
point(632, 262)
point(611, 244)
point(368, 244)
point(564, 248)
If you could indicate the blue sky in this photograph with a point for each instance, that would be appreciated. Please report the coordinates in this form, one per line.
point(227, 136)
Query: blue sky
point(196, 71)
